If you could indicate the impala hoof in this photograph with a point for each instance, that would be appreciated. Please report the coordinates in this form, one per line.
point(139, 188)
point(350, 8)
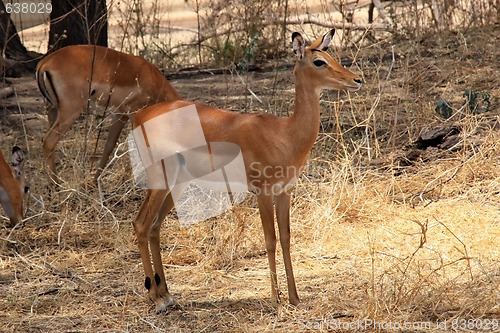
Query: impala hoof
point(163, 303)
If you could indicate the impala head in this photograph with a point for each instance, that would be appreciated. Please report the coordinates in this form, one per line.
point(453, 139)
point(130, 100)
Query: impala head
point(319, 67)
point(12, 186)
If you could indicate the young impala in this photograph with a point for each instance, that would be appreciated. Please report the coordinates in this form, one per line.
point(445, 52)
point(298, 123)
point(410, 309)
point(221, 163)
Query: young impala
point(274, 151)
point(12, 187)
point(75, 76)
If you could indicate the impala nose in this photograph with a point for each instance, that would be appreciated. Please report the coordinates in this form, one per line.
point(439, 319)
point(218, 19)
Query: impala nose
point(358, 83)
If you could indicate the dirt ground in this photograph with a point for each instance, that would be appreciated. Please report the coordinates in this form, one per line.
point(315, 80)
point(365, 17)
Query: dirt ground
point(394, 227)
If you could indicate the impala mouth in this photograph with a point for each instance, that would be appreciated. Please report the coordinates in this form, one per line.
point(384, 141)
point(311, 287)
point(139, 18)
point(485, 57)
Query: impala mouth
point(355, 87)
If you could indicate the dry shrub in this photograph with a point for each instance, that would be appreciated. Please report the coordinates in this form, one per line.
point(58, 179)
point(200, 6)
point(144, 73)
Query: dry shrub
point(246, 33)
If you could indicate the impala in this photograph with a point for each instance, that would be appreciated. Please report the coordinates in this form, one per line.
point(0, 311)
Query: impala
point(274, 151)
point(74, 77)
point(12, 186)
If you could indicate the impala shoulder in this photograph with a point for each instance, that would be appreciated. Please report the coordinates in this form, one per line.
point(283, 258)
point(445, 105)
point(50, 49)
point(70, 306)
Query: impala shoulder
point(265, 117)
point(266, 121)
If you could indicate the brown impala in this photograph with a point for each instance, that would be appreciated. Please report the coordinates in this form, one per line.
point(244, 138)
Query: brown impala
point(268, 144)
point(73, 76)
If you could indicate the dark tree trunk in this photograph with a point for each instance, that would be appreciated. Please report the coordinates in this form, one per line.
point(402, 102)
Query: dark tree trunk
point(10, 43)
point(75, 22)
point(14, 58)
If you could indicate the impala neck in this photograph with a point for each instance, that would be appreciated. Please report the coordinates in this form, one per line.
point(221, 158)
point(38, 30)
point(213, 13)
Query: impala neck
point(306, 116)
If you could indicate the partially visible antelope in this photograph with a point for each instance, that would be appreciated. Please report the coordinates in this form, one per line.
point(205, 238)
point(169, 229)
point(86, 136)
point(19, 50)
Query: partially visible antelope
point(12, 186)
point(75, 76)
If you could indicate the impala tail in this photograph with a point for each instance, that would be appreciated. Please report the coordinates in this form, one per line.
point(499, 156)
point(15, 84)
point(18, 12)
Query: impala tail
point(46, 86)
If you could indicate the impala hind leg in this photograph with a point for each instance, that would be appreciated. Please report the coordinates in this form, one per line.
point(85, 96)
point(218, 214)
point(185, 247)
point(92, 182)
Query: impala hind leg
point(51, 113)
point(60, 121)
point(119, 121)
point(283, 217)
point(265, 203)
point(146, 226)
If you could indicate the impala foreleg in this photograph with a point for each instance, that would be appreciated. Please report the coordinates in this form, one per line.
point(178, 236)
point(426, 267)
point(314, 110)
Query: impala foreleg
point(154, 245)
point(146, 226)
point(283, 217)
point(265, 203)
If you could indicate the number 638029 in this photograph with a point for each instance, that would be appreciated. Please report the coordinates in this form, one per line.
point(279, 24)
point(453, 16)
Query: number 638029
point(28, 8)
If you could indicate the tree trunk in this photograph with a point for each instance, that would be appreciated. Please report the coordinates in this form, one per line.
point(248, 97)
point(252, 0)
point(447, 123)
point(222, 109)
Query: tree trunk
point(75, 22)
point(10, 43)
point(14, 58)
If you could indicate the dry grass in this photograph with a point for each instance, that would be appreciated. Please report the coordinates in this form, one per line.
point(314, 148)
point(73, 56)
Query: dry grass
point(375, 236)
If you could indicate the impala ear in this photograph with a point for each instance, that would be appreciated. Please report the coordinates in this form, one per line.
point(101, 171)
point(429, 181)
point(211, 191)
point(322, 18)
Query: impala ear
point(298, 45)
point(323, 43)
point(18, 160)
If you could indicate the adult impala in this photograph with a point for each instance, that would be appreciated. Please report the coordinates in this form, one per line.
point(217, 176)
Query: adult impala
point(12, 186)
point(75, 76)
point(269, 145)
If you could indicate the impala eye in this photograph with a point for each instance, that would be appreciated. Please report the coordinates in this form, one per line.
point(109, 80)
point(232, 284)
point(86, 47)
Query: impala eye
point(319, 63)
